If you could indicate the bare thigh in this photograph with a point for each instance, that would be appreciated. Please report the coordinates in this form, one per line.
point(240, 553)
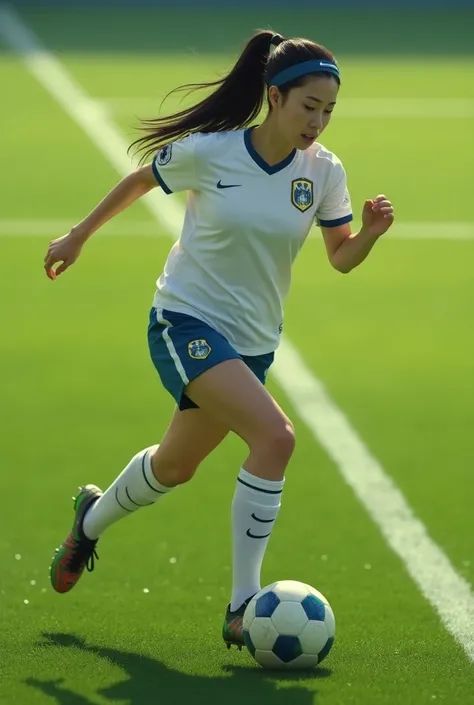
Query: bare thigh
point(191, 436)
point(232, 395)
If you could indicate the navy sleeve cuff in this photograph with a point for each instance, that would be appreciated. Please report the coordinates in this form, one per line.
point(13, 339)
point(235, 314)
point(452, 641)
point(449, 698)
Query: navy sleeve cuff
point(335, 223)
point(159, 178)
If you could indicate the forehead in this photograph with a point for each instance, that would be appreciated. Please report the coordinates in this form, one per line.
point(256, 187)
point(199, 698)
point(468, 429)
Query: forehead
point(325, 88)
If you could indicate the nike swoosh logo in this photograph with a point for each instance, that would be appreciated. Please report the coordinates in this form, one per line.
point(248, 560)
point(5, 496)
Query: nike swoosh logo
point(253, 536)
point(221, 185)
point(264, 521)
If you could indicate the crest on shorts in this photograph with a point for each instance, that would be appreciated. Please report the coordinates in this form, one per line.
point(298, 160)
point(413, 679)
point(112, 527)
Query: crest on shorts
point(164, 155)
point(199, 349)
point(302, 194)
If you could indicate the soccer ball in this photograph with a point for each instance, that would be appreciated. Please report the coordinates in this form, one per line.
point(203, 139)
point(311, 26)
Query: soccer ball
point(289, 624)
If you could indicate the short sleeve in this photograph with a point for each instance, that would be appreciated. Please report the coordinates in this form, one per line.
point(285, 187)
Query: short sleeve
point(174, 166)
point(335, 208)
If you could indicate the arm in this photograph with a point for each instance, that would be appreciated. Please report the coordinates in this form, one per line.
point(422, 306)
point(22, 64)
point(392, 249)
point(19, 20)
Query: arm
point(126, 192)
point(346, 250)
point(67, 248)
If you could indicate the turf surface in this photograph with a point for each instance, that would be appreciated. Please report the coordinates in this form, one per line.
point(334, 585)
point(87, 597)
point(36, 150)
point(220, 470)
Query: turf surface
point(393, 343)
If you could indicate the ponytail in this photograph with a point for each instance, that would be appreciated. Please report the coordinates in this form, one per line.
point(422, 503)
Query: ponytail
point(236, 101)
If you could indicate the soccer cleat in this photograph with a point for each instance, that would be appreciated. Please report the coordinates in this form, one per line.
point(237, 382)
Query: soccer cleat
point(232, 631)
point(77, 552)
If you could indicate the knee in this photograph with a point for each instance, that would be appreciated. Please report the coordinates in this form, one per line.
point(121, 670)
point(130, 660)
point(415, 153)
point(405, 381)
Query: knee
point(172, 474)
point(279, 441)
point(284, 439)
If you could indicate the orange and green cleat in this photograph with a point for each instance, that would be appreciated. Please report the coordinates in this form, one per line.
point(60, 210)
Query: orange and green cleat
point(77, 552)
point(232, 631)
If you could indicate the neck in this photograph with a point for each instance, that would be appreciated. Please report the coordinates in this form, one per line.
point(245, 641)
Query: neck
point(269, 144)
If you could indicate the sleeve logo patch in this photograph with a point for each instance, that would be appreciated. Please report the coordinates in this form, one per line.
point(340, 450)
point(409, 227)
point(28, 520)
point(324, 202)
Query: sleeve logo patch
point(164, 155)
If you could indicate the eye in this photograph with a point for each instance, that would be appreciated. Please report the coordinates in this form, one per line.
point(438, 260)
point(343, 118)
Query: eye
point(309, 107)
point(328, 112)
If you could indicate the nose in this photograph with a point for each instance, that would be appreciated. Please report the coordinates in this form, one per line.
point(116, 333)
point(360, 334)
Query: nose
point(317, 123)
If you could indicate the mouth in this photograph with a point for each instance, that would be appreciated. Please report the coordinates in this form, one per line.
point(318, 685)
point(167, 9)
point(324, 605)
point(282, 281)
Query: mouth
point(308, 138)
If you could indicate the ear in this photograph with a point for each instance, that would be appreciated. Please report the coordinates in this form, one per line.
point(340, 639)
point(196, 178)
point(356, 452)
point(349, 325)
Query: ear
point(274, 96)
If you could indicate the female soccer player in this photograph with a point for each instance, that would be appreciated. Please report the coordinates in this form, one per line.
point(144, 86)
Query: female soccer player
point(216, 318)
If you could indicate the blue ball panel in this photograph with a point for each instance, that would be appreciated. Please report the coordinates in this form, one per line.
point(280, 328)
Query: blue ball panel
point(287, 648)
point(314, 608)
point(248, 642)
point(326, 649)
point(266, 604)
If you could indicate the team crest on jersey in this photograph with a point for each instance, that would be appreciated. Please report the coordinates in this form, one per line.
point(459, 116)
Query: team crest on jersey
point(164, 155)
point(302, 194)
point(199, 349)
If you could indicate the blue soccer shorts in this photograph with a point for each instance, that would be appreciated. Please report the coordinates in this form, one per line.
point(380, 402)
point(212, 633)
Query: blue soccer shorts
point(183, 347)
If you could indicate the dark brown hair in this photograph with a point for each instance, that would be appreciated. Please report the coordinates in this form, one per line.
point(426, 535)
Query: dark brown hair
point(238, 97)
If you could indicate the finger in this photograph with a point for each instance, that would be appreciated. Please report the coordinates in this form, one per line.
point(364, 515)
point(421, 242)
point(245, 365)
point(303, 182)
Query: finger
point(49, 264)
point(380, 197)
point(62, 268)
point(49, 261)
point(389, 216)
point(383, 205)
point(51, 247)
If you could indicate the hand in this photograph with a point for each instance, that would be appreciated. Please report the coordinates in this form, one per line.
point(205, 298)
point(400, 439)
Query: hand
point(377, 215)
point(66, 250)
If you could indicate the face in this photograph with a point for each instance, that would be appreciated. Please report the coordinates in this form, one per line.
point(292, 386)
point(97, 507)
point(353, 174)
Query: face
point(305, 111)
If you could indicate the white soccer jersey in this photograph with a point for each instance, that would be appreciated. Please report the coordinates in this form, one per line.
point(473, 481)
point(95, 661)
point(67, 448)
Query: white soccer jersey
point(245, 223)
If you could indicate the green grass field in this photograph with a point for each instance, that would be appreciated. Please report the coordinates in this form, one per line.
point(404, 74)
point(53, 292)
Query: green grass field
point(393, 343)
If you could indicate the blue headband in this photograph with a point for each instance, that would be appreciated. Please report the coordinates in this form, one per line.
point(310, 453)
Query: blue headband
point(303, 69)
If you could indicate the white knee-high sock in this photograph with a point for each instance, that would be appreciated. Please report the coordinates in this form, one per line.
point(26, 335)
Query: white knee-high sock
point(254, 510)
point(135, 487)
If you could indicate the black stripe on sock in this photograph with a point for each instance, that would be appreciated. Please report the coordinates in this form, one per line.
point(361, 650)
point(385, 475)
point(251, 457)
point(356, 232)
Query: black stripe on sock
point(133, 501)
point(145, 477)
point(120, 503)
point(258, 489)
point(253, 536)
point(263, 521)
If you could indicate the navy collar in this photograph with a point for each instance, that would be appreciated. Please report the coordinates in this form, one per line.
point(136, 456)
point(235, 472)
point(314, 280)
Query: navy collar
point(268, 168)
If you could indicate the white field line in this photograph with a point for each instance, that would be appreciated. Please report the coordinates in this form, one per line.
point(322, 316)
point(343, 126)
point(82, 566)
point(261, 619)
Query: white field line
point(54, 228)
point(148, 228)
point(449, 593)
point(354, 108)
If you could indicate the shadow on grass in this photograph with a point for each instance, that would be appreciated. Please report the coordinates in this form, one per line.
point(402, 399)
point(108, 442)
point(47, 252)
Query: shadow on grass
point(150, 681)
